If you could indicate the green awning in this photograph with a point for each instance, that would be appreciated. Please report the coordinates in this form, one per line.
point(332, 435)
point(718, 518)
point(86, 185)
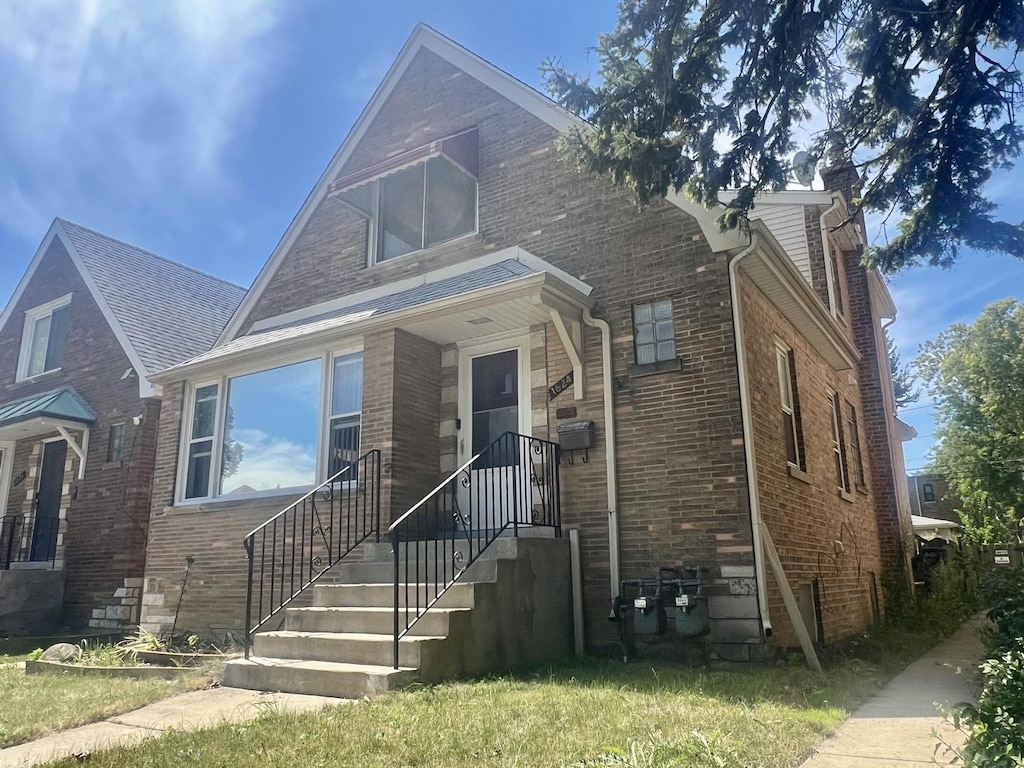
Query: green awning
point(62, 406)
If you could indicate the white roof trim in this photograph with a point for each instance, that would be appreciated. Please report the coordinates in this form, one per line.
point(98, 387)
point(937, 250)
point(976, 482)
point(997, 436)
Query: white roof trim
point(505, 254)
point(840, 351)
point(56, 231)
point(422, 37)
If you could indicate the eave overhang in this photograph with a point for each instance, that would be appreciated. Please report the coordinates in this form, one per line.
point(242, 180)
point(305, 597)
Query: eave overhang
point(771, 270)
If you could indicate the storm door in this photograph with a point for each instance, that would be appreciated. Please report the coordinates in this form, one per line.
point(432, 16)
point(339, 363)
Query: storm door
point(495, 402)
point(48, 496)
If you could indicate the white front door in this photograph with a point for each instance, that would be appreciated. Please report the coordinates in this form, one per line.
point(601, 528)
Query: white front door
point(494, 409)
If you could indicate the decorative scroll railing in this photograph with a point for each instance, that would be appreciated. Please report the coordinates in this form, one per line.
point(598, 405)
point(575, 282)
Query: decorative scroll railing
point(295, 547)
point(510, 485)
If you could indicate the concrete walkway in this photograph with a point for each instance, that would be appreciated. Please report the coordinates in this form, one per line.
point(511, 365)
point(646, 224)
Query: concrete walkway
point(186, 711)
point(894, 729)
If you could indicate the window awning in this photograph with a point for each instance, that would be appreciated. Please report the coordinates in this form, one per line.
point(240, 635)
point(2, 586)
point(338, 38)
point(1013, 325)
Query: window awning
point(43, 414)
point(460, 149)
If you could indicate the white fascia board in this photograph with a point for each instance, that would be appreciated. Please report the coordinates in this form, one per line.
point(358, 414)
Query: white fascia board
point(788, 197)
point(145, 387)
point(813, 311)
point(56, 231)
point(8, 312)
point(505, 254)
point(548, 288)
point(877, 289)
point(422, 37)
point(707, 218)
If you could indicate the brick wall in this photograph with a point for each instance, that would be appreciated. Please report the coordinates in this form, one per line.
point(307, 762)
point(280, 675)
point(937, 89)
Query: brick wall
point(105, 515)
point(807, 515)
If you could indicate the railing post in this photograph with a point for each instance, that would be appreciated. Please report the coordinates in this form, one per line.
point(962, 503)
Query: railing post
point(394, 549)
point(248, 543)
point(376, 493)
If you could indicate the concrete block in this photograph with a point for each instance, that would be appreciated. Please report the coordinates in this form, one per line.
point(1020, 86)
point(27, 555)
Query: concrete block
point(120, 592)
point(743, 586)
point(98, 613)
point(732, 607)
point(152, 598)
point(735, 631)
point(30, 601)
point(737, 571)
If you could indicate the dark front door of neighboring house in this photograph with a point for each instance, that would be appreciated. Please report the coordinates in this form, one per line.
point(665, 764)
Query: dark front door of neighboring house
point(51, 483)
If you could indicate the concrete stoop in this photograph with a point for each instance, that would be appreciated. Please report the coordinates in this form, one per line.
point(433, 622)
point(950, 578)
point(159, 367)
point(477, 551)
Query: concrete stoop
point(512, 606)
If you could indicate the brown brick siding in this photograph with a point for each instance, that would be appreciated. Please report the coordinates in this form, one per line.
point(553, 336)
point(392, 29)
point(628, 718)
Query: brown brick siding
point(806, 518)
point(103, 534)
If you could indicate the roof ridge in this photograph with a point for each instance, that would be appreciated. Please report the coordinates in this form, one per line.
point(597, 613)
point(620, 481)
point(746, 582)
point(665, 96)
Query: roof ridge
point(198, 272)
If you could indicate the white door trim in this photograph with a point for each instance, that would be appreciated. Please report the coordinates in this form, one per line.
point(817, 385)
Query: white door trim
point(6, 464)
point(469, 350)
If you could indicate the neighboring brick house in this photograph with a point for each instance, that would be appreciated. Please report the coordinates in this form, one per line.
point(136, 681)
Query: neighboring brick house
point(89, 321)
point(931, 496)
point(447, 250)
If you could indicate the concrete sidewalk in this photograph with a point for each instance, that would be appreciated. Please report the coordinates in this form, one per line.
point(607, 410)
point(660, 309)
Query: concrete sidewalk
point(186, 711)
point(894, 729)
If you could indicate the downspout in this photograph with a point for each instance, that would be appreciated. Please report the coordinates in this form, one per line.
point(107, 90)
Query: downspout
point(609, 448)
point(748, 438)
point(830, 280)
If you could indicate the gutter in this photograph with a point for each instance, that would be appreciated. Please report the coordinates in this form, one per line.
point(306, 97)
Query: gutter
point(609, 449)
point(748, 437)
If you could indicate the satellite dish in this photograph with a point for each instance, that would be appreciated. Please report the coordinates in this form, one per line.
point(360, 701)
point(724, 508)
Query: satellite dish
point(803, 168)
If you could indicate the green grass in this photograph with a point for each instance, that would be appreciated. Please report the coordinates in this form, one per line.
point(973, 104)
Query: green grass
point(576, 712)
point(32, 706)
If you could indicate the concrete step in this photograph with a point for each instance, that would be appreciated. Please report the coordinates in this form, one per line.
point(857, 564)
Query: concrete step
point(350, 647)
point(505, 546)
point(369, 595)
point(380, 621)
point(383, 572)
point(320, 678)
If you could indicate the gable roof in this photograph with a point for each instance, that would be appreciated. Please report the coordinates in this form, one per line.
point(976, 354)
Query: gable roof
point(161, 312)
point(423, 37)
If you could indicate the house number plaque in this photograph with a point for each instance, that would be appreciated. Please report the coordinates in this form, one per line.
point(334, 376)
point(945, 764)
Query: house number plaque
point(560, 386)
point(20, 478)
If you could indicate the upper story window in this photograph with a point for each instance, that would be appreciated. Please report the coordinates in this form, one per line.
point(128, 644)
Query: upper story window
point(855, 449)
point(791, 427)
point(115, 443)
point(44, 337)
point(273, 429)
point(928, 491)
point(418, 199)
point(654, 334)
point(839, 445)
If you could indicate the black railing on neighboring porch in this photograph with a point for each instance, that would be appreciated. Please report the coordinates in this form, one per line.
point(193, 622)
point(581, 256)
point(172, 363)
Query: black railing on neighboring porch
point(40, 546)
point(510, 485)
point(295, 547)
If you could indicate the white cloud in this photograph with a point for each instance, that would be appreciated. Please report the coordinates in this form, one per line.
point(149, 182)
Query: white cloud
point(123, 99)
point(271, 462)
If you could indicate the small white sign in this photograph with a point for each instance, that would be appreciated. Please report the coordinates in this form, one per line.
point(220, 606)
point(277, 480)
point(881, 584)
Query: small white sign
point(1002, 559)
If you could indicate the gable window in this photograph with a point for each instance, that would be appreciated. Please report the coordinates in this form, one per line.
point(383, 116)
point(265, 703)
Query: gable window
point(654, 335)
point(42, 344)
point(423, 206)
point(838, 445)
point(855, 449)
point(267, 430)
point(928, 491)
point(791, 427)
point(115, 443)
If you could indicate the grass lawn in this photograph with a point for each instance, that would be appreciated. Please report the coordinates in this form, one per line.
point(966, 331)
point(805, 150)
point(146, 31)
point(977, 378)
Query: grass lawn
point(32, 706)
point(666, 714)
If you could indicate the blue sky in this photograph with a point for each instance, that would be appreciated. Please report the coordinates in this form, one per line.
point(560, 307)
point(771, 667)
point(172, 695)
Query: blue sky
point(196, 129)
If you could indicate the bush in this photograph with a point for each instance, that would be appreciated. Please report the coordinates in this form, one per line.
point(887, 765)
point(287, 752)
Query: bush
point(996, 724)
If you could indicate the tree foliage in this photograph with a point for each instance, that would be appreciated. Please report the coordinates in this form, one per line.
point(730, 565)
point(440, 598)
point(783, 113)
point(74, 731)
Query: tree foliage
point(975, 374)
point(902, 378)
point(920, 95)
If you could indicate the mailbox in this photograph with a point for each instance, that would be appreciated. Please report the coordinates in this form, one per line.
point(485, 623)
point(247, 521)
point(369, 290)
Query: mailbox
point(576, 435)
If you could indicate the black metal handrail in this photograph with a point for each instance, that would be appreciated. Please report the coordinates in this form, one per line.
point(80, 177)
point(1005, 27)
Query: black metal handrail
point(9, 548)
point(512, 483)
point(303, 541)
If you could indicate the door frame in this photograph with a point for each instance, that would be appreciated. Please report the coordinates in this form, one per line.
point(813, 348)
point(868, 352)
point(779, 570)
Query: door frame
point(6, 469)
point(35, 498)
point(518, 341)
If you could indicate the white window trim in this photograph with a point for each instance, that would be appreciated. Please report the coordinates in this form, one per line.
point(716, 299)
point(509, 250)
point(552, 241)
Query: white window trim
point(843, 481)
point(373, 225)
point(782, 353)
point(33, 316)
point(188, 413)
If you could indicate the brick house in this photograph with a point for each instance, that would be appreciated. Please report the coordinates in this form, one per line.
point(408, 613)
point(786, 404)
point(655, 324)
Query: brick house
point(450, 278)
point(89, 321)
